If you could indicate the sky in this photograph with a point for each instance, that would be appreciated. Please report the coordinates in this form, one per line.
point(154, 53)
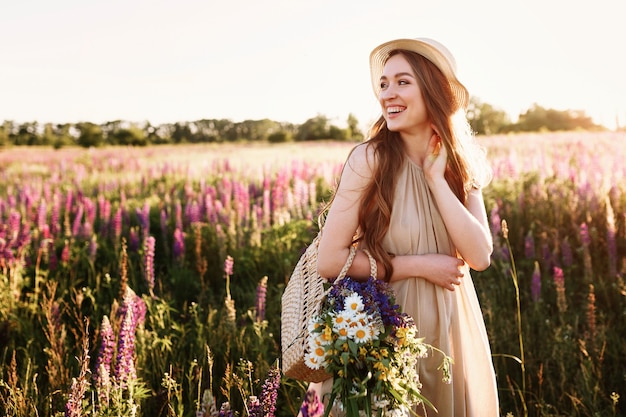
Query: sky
point(66, 61)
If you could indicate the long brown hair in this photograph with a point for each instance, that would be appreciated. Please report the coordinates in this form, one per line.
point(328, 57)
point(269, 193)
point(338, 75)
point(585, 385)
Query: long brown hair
point(388, 148)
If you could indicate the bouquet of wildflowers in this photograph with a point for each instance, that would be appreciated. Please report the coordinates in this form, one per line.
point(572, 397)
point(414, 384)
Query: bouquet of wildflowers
point(370, 348)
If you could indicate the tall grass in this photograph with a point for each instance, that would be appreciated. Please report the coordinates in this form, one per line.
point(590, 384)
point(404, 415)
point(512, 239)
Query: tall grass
point(148, 281)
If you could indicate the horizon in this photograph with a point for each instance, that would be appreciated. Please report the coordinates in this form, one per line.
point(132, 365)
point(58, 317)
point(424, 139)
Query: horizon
point(288, 62)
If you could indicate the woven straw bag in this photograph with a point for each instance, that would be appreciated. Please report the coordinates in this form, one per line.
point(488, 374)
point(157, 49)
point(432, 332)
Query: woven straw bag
point(302, 300)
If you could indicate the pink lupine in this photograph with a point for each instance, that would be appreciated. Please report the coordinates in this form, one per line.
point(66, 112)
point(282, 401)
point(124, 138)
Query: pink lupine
point(559, 282)
point(105, 354)
point(42, 215)
point(179, 244)
point(117, 224)
point(149, 262)
point(65, 253)
point(78, 219)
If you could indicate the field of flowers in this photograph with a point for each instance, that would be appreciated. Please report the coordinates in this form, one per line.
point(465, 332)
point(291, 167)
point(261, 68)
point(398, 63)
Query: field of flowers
point(147, 281)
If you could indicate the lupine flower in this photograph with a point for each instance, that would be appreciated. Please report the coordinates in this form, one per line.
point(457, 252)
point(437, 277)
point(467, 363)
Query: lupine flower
point(254, 407)
point(133, 239)
point(65, 253)
point(125, 371)
point(102, 374)
point(179, 244)
point(149, 262)
point(312, 406)
point(76, 226)
point(41, 214)
point(225, 410)
point(117, 224)
point(559, 282)
point(261, 293)
point(269, 392)
point(535, 286)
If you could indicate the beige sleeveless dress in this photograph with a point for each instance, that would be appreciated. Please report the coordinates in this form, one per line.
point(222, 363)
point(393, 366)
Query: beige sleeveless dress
point(449, 320)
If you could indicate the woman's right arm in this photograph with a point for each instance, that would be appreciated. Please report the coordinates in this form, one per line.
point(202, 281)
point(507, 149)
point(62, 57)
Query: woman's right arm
point(342, 218)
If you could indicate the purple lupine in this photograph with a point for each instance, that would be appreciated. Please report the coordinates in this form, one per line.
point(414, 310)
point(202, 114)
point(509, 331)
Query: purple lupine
point(133, 239)
point(559, 282)
point(225, 410)
point(117, 224)
point(254, 407)
point(535, 286)
point(179, 244)
point(144, 219)
point(65, 253)
point(261, 294)
point(192, 212)
point(149, 262)
point(269, 392)
point(312, 406)
point(55, 215)
point(125, 371)
point(105, 354)
point(76, 226)
point(42, 215)
point(228, 265)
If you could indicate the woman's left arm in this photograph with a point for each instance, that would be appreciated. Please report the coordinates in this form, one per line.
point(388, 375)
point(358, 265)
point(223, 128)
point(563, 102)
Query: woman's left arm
point(467, 224)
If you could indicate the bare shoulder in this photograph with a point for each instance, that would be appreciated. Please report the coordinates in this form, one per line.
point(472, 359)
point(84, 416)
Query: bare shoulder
point(362, 160)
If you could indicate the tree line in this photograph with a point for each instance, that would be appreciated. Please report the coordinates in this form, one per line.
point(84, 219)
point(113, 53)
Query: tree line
point(484, 120)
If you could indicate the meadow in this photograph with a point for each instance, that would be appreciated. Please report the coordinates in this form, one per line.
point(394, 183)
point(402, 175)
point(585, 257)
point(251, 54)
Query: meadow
point(147, 281)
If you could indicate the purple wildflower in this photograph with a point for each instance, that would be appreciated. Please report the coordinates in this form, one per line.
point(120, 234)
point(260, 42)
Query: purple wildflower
point(179, 244)
point(76, 226)
point(105, 355)
point(149, 262)
point(117, 224)
point(261, 294)
point(133, 239)
point(225, 410)
point(312, 406)
point(254, 407)
point(125, 371)
point(228, 265)
point(41, 214)
point(269, 392)
point(144, 219)
point(65, 253)
point(535, 286)
point(559, 282)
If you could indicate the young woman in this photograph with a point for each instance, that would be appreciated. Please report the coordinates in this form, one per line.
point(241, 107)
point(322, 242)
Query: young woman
point(411, 194)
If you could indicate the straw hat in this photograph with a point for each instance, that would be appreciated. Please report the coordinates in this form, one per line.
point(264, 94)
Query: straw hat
point(432, 50)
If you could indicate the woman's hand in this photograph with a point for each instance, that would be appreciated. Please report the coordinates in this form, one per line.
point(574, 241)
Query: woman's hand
point(442, 270)
point(434, 165)
point(446, 272)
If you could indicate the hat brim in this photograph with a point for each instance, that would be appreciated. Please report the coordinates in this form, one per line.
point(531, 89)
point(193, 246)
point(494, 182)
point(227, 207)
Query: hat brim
point(428, 48)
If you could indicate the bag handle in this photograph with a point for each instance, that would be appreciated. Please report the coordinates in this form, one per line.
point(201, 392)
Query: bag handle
point(348, 264)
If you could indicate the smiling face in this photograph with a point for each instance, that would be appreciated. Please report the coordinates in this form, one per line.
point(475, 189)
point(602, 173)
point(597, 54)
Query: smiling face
point(401, 98)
